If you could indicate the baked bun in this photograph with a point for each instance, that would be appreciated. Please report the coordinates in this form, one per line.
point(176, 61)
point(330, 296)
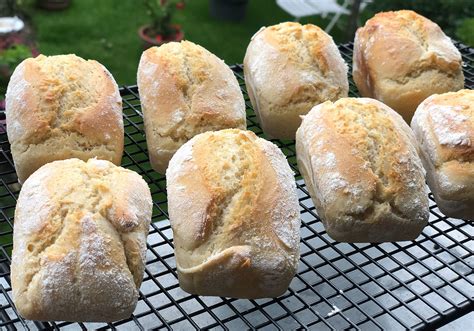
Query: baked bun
point(288, 69)
point(79, 242)
point(444, 127)
point(235, 216)
point(359, 161)
point(185, 90)
point(401, 58)
point(61, 107)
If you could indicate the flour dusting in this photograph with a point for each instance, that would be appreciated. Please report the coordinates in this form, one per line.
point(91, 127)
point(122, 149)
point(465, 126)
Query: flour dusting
point(451, 126)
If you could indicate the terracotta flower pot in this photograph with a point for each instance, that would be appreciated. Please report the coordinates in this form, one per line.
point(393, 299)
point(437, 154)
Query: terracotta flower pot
point(158, 40)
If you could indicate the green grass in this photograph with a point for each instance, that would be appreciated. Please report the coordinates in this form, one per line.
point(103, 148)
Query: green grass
point(106, 31)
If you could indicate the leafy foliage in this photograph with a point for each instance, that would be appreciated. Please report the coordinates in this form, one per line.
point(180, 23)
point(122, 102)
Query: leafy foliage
point(13, 55)
point(161, 12)
point(466, 31)
point(9, 59)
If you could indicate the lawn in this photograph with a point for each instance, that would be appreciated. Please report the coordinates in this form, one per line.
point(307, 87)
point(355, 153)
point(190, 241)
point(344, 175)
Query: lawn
point(106, 30)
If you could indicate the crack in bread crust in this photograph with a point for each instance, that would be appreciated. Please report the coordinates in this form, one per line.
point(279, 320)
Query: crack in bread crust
point(228, 186)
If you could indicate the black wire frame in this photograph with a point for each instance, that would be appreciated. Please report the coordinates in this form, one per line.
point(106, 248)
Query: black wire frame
point(420, 284)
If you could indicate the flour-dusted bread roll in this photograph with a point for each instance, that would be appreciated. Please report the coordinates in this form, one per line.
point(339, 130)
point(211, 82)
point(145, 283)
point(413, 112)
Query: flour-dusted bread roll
point(79, 242)
point(288, 69)
point(185, 90)
point(360, 163)
point(61, 107)
point(235, 216)
point(401, 58)
point(444, 127)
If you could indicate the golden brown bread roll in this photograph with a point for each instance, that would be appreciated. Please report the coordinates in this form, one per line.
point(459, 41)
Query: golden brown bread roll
point(288, 69)
point(185, 90)
point(401, 58)
point(235, 216)
point(444, 127)
point(359, 161)
point(79, 242)
point(61, 107)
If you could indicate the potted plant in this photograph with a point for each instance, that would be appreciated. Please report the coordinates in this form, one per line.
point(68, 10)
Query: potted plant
point(161, 29)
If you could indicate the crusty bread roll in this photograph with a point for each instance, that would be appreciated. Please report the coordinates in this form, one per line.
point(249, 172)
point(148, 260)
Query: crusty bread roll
point(401, 58)
point(288, 69)
point(60, 107)
point(235, 216)
point(444, 127)
point(359, 161)
point(185, 90)
point(79, 242)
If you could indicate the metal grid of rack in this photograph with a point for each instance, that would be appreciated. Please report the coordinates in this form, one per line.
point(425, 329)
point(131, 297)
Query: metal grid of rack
point(420, 284)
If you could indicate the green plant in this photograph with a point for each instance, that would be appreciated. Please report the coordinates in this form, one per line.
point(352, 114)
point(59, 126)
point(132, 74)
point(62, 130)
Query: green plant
point(465, 32)
point(13, 55)
point(161, 12)
point(9, 59)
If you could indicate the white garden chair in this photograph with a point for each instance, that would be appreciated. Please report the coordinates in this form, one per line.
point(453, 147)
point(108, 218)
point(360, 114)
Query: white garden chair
point(302, 8)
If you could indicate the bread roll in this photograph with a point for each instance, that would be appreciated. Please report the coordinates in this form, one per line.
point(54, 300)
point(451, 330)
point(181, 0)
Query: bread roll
point(235, 216)
point(185, 90)
point(288, 69)
point(79, 242)
point(359, 161)
point(61, 107)
point(444, 127)
point(401, 58)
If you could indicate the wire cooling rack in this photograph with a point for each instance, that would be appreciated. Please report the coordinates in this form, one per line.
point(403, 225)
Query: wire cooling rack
point(419, 284)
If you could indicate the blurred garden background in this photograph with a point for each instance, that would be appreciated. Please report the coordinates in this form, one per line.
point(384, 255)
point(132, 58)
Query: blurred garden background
point(107, 30)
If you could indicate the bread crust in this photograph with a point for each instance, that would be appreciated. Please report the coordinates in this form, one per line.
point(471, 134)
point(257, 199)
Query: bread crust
point(79, 242)
point(288, 69)
point(444, 127)
point(401, 58)
point(359, 161)
point(235, 216)
point(61, 107)
point(185, 90)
